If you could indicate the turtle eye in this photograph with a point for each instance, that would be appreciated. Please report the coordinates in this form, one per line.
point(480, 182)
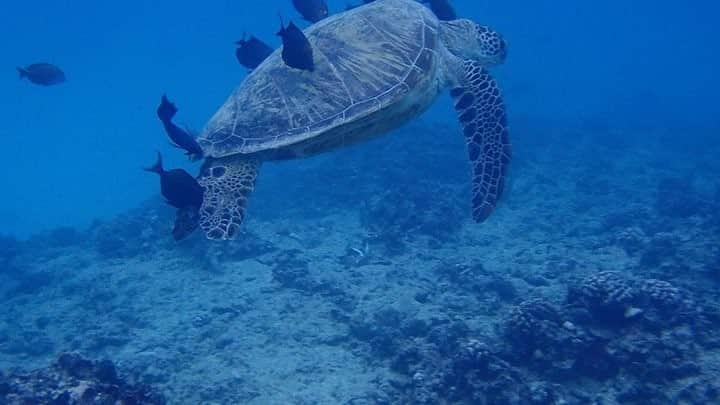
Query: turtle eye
point(217, 171)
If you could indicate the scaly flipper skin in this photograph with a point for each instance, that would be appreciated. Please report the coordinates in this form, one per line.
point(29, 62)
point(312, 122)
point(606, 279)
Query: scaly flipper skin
point(228, 184)
point(481, 112)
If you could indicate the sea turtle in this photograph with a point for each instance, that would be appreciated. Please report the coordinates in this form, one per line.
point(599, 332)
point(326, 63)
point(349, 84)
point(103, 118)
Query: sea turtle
point(376, 67)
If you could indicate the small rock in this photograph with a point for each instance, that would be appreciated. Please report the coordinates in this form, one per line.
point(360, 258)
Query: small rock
point(568, 325)
point(632, 312)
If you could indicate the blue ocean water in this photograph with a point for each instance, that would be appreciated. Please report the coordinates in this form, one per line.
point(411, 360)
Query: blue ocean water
point(615, 127)
point(73, 151)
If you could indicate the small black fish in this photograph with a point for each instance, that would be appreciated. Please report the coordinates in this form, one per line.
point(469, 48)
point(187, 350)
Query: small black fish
point(252, 52)
point(297, 51)
point(179, 188)
point(179, 137)
point(44, 74)
point(311, 10)
point(442, 9)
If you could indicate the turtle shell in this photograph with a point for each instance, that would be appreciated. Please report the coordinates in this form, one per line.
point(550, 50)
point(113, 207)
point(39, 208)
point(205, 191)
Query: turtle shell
point(365, 59)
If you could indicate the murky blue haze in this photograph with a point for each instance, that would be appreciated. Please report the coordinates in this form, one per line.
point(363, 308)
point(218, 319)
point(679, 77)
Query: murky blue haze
point(359, 277)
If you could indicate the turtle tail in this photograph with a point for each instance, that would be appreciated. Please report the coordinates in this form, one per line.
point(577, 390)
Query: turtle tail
point(22, 72)
point(157, 167)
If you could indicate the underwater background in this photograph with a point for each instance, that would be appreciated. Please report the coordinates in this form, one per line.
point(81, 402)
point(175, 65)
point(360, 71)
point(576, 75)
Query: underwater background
point(359, 277)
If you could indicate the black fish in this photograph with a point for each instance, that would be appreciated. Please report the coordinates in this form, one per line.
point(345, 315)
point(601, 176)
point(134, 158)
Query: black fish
point(297, 52)
point(43, 74)
point(311, 10)
point(442, 9)
point(252, 52)
point(179, 188)
point(179, 136)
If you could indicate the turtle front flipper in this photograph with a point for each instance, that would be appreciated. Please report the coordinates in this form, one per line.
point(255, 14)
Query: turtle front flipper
point(481, 112)
point(228, 184)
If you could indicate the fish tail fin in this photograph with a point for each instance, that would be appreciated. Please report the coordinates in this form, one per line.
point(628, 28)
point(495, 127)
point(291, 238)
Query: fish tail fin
point(282, 25)
point(22, 72)
point(167, 110)
point(157, 167)
point(242, 41)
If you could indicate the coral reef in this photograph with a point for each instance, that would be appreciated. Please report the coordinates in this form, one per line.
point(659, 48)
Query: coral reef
point(545, 353)
point(608, 295)
point(594, 282)
point(71, 380)
point(632, 239)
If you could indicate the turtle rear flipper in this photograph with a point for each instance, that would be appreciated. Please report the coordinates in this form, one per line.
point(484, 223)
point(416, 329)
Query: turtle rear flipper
point(481, 112)
point(228, 184)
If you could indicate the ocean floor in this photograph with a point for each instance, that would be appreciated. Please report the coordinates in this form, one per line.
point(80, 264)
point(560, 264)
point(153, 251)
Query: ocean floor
point(360, 279)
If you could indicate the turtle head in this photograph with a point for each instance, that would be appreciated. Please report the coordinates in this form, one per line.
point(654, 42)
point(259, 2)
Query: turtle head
point(468, 40)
